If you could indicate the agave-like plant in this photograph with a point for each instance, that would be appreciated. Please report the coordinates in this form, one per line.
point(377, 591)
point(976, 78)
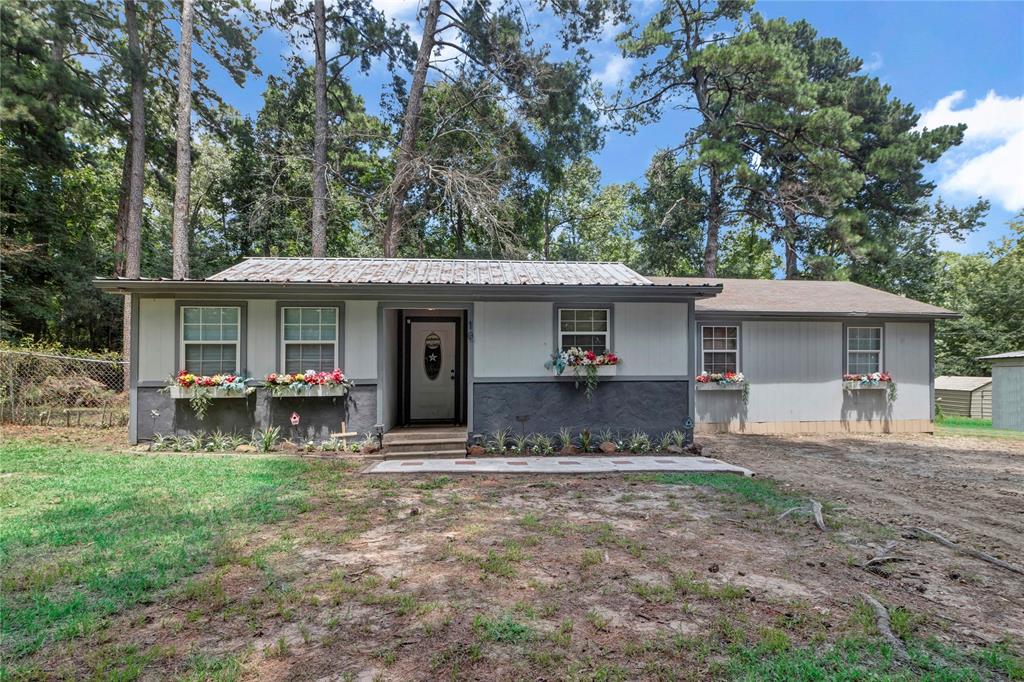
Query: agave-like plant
point(666, 442)
point(266, 440)
point(678, 438)
point(586, 440)
point(639, 442)
point(541, 445)
point(564, 437)
point(607, 436)
point(219, 442)
point(161, 442)
point(194, 442)
point(499, 440)
point(521, 444)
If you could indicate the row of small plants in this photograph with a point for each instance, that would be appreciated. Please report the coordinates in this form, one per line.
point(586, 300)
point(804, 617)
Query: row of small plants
point(260, 440)
point(539, 444)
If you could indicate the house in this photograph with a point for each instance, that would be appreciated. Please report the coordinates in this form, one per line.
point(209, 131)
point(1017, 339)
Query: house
point(461, 342)
point(1007, 390)
point(964, 396)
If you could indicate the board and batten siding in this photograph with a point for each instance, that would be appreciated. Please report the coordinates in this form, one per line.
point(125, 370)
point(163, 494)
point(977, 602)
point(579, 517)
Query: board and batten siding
point(157, 337)
point(360, 360)
point(651, 338)
point(511, 339)
point(515, 339)
point(795, 368)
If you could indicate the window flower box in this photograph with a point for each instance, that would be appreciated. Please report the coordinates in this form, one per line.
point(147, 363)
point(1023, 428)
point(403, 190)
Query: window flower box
point(586, 367)
point(214, 393)
point(199, 390)
point(725, 381)
point(876, 381)
point(309, 384)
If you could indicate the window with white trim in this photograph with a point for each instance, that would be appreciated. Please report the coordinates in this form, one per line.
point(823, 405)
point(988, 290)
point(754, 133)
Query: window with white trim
point(863, 350)
point(209, 339)
point(585, 328)
point(309, 339)
point(720, 349)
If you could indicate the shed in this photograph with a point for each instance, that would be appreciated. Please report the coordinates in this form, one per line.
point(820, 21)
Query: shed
point(1007, 389)
point(964, 396)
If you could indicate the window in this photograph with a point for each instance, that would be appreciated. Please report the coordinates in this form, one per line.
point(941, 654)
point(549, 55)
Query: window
point(309, 339)
point(585, 328)
point(720, 347)
point(863, 350)
point(209, 339)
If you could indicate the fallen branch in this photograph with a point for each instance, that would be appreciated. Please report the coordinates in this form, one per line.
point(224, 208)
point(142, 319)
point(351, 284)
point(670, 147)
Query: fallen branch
point(790, 511)
point(879, 560)
point(977, 554)
point(818, 519)
point(884, 626)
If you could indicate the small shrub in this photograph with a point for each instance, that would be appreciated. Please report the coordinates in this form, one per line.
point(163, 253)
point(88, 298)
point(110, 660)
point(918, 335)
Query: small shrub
point(541, 445)
point(367, 444)
point(162, 442)
point(564, 437)
point(219, 442)
point(639, 442)
point(607, 436)
point(266, 440)
point(499, 441)
point(586, 440)
point(678, 438)
point(521, 444)
point(194, 442)
point(666, 442)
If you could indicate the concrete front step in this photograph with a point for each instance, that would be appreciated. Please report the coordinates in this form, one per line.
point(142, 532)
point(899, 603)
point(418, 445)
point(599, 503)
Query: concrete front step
point(426, 454)
point(447, 444)
point(424, 434)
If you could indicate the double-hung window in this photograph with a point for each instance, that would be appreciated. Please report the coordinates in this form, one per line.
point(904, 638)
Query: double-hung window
point(863, 350)
point(720, 349)
point(585, 328)
point(209, 339)
point(309, 339)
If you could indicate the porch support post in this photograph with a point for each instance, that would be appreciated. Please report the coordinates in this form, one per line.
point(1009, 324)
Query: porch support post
point(691, 387)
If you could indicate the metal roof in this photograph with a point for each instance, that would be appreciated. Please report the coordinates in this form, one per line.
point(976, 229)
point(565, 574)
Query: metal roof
point(429, 271)
point(804, 297)
point(1003, 356)
point(961, 383)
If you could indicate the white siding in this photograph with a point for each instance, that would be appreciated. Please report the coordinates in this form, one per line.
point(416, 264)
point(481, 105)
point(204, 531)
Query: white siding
point(361, 340)
point(157, 338)
point(512, 339)
point(794, 368)
point(261, 338)
point(651, 338)
point(907, 359)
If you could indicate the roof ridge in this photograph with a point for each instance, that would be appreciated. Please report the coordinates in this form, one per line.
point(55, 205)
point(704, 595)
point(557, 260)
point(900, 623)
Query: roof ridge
point(441, 260)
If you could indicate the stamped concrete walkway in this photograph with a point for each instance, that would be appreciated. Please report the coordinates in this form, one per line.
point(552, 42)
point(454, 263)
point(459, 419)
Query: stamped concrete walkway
point(555, 465)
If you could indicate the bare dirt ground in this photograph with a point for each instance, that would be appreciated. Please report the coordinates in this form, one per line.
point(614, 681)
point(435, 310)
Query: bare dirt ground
point(599, 578)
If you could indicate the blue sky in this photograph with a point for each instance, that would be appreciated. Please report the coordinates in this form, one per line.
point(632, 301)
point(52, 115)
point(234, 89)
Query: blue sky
point(955, 61)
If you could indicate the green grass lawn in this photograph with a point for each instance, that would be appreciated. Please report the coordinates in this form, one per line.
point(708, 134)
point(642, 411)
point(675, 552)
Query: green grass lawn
point(83, 535)
point(966, 426)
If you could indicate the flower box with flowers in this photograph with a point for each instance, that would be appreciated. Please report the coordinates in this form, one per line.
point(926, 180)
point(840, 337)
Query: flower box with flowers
point(186, 386)
point(199, 390)
point(869, 382)
point(585, 366)
point(308, 384)
point(724, 381)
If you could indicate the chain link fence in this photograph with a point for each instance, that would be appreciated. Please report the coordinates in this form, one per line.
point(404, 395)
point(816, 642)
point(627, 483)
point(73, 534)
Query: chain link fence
point(60, 390)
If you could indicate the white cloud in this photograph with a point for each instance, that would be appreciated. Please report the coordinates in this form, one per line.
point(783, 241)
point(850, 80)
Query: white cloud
point(614, 70)
point(990, 163)
point(874, 64)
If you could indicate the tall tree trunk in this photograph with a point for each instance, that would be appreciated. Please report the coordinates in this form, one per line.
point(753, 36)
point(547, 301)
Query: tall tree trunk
point(460, 232)
point(136, 183)
point(714, 221)
point(319, 222)
point(402, 181)
point(183, 179)
point(123, 202)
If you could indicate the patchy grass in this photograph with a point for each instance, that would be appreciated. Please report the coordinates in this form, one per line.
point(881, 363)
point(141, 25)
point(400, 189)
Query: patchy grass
point(504, 629)
point(84, 535)
point(762, 492)
point(967, 426)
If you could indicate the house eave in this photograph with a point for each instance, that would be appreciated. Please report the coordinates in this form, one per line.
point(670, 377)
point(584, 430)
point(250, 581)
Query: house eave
point(823, 316)
point(411, 292)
